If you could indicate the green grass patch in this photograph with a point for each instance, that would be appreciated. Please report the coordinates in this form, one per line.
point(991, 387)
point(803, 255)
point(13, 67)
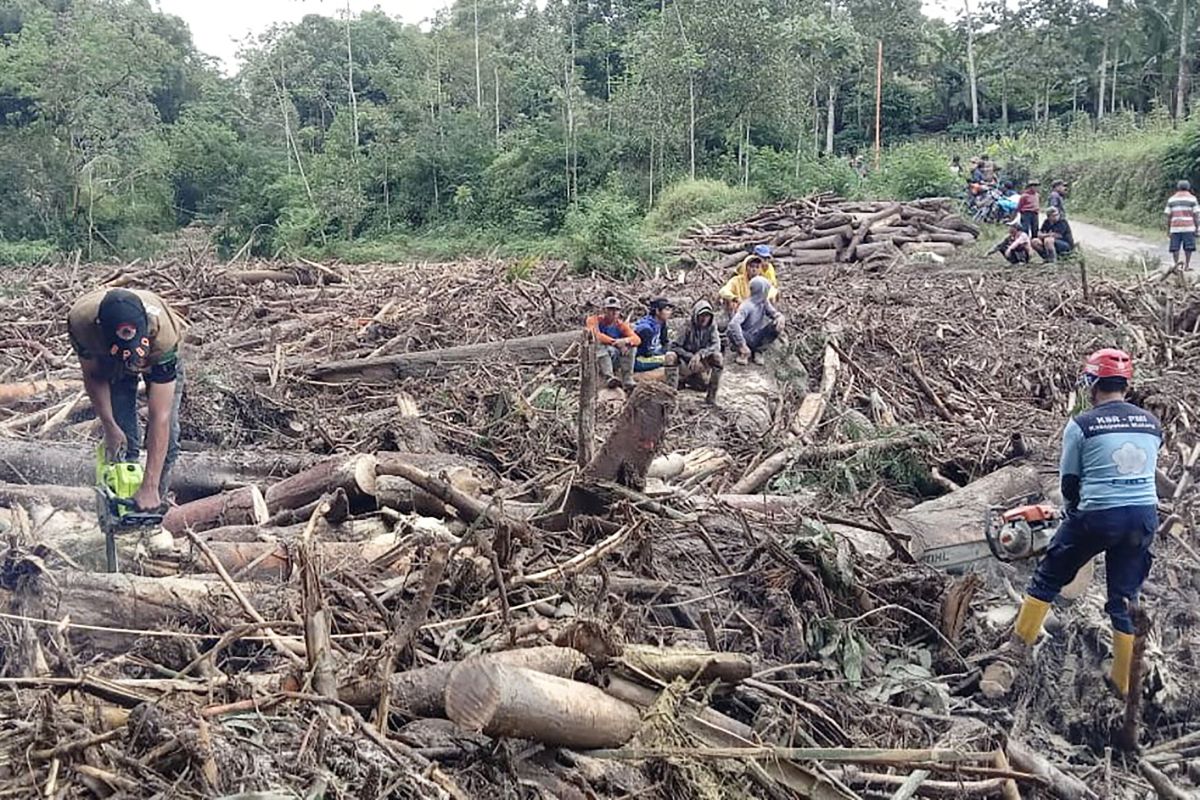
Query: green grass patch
point(26, 252)
point(704, 201)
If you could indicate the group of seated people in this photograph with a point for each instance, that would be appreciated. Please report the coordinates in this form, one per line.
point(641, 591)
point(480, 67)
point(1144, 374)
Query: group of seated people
point(695, 358)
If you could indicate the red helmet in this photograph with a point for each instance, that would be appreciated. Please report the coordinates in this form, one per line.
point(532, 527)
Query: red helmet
point(1107, 363)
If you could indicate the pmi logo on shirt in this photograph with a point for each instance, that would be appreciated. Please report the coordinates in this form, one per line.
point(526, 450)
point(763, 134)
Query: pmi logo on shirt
point(1130, 459)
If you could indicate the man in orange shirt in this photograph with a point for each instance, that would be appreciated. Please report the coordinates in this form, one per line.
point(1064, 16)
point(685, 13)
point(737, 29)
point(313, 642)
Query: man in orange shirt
point(616, 344)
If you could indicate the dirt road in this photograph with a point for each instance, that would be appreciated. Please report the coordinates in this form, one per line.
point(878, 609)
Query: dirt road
point(1119, 246)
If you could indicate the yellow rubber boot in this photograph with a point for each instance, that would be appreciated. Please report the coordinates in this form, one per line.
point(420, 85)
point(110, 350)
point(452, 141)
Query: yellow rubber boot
point(1122, 660)
point(1029, 620)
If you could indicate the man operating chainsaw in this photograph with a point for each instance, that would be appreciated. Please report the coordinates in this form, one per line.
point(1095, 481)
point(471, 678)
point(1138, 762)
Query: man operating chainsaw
point(121, 336)
point(1109, 457)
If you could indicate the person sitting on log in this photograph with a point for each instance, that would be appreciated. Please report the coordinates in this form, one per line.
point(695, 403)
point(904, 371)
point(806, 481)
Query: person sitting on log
point(756, 324)
point(121, 336)
point(699, 352)
point(737, 289)
point(1107, 472)
point(616, 344)
point(654, 350)
point(1055, 238)
point(1017, 247)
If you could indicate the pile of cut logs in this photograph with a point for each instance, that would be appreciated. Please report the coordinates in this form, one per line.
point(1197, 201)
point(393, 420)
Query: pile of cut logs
point(823, 229)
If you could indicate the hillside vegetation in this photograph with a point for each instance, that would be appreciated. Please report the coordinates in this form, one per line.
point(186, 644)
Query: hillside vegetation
point(501, 121)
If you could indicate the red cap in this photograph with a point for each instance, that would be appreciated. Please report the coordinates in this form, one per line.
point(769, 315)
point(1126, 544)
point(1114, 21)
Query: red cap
point(1108, 363)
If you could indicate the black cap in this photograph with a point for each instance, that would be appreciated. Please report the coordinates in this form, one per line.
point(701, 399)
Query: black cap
point(122, 310)
point(659, 303)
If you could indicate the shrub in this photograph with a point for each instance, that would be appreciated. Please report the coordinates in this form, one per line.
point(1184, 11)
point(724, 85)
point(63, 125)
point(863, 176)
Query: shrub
point(20, 253)
point(708, 201)
point(914, 171)
point(603, 234)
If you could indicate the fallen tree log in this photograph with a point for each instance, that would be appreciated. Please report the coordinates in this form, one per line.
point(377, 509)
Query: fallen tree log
point(864, 227)
point(351, 530)
point(195, 474)
point(501, 700)
point(526, 350)
point(420, 692)
point(118, 602)
point(830, 242)
point(802, 258)
point(47, 494)
point(355, 475)
point(669, 663)
point(957, 517)
point(243, 506)
point(1062, 785)
point(11, 393)
point(275, 561)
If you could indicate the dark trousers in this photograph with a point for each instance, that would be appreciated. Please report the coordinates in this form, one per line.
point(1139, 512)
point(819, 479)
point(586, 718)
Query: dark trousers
point(1018, 256)
point(124, 405)
point(1029, 222)
point(1124, 535)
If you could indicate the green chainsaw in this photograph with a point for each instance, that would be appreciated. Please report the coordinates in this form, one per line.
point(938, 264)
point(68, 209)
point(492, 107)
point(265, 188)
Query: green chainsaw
point(116, 484)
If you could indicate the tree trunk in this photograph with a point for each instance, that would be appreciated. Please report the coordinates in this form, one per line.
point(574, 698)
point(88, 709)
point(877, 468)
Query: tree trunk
point(1103, 81)
point(354, 475)
point(478, 79)
point(273, 562)
point(243, 506)
point(420, 692)
point(11, 393)
point(30, 495)
point(384, 369)
point(1116, 61)
point(958, 517)
point(350, 82)
point(971, 76)
point(829, 121)
point(194, 475)
point(118, 600)
point(635, 439)
point(586, 429)
point(1181, 83)
point(506, 701)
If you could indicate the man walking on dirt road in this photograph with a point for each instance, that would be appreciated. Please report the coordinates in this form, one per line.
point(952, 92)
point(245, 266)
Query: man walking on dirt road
point(121, 336)
point(1109, 457)
point(1183, 220)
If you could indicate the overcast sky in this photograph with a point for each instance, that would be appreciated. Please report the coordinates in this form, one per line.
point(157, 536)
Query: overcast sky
point(219, 25)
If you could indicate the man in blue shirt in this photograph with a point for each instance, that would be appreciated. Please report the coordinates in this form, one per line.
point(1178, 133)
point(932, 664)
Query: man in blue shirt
point(1109, 457)
point(653, 351)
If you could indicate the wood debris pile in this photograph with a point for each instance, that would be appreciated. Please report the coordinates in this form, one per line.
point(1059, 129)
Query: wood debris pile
point(400, 570)
point(824, 229)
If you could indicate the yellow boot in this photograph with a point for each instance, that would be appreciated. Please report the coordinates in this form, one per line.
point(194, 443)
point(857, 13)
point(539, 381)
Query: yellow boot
point(1029, 619)
point(1122, 660)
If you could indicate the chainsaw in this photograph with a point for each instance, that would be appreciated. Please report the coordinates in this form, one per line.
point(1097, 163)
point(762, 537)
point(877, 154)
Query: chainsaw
point(116, 484)
point(1012, 534)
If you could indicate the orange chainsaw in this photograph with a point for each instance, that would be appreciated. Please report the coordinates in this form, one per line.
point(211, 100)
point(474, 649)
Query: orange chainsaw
point(1012, 534)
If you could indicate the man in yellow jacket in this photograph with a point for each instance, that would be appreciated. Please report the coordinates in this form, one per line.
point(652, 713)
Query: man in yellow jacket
point(737, 288)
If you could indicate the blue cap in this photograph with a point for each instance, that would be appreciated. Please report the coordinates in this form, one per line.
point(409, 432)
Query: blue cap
point(762, 250)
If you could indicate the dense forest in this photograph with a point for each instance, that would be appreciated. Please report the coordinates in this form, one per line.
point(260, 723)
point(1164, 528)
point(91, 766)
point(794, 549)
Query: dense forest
point(506, 114)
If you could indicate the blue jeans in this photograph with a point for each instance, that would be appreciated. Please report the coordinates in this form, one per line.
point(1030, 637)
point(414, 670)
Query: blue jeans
point(1124, 535)
point(124, 405)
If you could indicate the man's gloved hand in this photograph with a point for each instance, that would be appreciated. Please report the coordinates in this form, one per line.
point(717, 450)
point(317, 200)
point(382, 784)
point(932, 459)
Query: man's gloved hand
point(115, 443)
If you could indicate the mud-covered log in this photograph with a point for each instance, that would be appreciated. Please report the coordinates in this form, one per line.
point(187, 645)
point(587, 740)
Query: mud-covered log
point(669, 663)
point(392, 491)
point(957, 517)
point(11, 393)
point(501, 700)
point(355, 475)
point(195, 474)
point(47, 494)
point(275, 561)
point(244, 506)
point(419, 692)
point(802, 258)
point(635, 439)
point(117, 600)
point(351, 530)
point(526, 350)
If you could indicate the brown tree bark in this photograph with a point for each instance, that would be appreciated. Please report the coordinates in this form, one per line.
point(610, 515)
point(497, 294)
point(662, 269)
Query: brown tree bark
point(635, 439)
point(195, 474)
point(504, 700)
point(353, 474)
point(244, 506)
point(526, 350)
